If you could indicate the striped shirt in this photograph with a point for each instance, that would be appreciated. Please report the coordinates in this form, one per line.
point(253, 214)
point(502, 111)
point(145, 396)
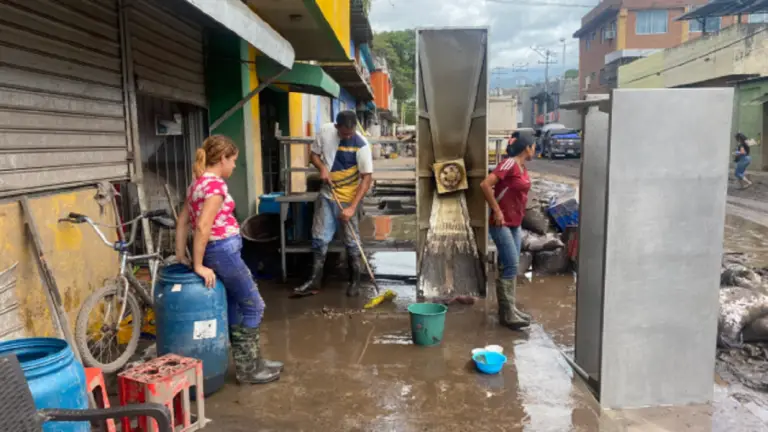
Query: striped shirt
point(351, 157)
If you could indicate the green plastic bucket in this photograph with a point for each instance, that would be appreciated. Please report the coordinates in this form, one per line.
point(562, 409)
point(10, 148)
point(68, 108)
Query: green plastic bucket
point(427, 323)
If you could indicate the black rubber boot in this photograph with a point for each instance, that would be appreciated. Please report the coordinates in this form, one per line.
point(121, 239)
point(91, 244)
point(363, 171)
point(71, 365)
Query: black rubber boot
point(313, 284)
point(509, 316)
point(250, 366)
point(353, 289)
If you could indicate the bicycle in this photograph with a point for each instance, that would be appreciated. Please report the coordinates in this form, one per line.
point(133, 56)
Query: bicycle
point(125, 293)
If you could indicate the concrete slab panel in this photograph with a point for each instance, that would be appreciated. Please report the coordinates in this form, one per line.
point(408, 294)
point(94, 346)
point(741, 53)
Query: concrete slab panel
point(667, 179)
point(589, 287)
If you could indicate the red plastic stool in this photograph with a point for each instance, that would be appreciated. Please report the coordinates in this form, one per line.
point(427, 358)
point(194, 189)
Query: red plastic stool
point(166, 380)
point(97, 389)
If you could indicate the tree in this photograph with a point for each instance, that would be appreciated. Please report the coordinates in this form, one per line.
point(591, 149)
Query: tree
point(399, 49)
point(572, 73)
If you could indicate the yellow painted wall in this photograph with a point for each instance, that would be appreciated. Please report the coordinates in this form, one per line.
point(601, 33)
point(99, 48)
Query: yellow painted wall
point(642, 73)
point(79, 260)
point(253, 117)
point(736, 50)
point(336, 12)
point(298, 151)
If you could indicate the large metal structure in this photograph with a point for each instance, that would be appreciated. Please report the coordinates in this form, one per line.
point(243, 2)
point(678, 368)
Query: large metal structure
point(452, 159)
point(652, 221)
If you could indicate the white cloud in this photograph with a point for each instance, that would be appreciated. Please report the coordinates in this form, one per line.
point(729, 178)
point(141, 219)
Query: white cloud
point(514, 28)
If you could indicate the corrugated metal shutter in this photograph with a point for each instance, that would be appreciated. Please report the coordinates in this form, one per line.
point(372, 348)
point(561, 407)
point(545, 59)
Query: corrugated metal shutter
point(167, 54)
point(61, 98)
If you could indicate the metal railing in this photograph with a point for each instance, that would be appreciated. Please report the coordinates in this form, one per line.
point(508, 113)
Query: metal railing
point(285, 158)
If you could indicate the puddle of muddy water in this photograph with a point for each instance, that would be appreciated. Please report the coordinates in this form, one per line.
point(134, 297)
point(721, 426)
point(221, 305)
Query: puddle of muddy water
point(748, 237)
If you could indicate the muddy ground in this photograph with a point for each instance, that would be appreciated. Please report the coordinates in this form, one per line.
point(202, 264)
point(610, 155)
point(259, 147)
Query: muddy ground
point(354, 370)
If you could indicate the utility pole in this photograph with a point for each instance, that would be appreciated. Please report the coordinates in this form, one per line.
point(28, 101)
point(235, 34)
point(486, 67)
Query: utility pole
point(562, 86)
point(547, 55)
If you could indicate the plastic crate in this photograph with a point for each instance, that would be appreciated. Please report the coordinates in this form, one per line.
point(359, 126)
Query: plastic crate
point(268, 203)
point(564, 213)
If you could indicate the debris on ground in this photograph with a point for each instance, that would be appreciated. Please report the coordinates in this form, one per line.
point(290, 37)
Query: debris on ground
point(743, 322)
point(542, 244)
point(332, 313)
point(551, 261)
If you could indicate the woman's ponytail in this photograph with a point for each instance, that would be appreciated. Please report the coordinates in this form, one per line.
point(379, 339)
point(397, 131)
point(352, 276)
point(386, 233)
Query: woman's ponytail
point(214, 149)
point(199, 168)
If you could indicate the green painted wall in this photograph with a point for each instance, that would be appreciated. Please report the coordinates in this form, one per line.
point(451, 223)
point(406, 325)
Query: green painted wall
point(227, 81)
point(749, 118)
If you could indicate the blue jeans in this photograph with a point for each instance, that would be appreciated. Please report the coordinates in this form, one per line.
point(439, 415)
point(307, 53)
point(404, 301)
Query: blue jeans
point(326, 221)
point(243, 297)
point(741, 166)
point(508, 241)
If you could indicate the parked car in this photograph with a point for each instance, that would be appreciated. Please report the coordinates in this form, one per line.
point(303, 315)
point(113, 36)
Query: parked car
point(556, 140)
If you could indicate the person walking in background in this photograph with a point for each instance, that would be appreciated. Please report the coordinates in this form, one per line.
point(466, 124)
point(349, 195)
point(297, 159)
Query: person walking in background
point(506, 191)
point(209, 211)
point(343, 157)
point(742, 159)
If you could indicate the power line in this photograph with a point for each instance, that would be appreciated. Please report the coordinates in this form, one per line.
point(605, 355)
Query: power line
point(540, 3)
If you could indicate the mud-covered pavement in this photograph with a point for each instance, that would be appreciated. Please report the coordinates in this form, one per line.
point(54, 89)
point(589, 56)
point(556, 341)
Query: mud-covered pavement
point(354, 370)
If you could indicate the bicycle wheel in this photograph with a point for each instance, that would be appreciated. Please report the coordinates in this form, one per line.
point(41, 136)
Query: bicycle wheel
point(105, 340)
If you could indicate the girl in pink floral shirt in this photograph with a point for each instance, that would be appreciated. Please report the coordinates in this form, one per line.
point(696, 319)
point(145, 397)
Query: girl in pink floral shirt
point(209, 212)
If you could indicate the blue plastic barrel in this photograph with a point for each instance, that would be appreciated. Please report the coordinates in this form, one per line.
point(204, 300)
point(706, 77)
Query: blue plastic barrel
point(192, 322)
point(55, 378)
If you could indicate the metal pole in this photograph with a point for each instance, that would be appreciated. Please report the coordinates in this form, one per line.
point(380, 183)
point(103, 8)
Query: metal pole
point(546, 86)
point(228, 113)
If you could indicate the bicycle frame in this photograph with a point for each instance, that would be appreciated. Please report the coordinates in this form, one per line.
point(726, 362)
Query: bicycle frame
point(125, 257)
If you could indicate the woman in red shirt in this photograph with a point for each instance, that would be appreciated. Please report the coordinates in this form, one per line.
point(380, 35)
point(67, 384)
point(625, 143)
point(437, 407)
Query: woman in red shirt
point(209, 212)
point(506, 191)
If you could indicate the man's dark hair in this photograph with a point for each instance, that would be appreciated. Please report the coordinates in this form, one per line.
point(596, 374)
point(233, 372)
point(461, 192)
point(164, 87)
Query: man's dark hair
point(347, 119)
point(741, 137)
point(522, 142)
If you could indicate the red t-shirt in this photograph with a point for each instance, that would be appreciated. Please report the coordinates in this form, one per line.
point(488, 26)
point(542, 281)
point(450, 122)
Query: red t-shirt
point(511, 191)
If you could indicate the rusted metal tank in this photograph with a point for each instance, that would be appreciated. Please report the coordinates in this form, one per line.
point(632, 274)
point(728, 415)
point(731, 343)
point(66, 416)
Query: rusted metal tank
point(451, 160)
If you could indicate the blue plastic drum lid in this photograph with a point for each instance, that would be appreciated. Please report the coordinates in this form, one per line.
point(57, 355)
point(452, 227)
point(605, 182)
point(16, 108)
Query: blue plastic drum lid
point(192, 322)
point(56, 379)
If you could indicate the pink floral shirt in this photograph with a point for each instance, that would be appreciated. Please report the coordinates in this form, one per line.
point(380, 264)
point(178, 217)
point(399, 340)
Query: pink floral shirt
point(208, 185)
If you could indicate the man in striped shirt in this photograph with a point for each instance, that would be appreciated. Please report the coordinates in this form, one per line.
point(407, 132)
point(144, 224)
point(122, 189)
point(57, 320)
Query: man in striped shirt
point(343, 157)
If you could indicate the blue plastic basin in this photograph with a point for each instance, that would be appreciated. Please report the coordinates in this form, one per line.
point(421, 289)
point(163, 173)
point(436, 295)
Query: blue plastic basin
point(493, 362)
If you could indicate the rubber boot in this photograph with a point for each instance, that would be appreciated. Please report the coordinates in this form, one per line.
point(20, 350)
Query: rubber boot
point(250, 366)
point(513, 301)
point(313, 284)
point(353, 289)
point(509, 316)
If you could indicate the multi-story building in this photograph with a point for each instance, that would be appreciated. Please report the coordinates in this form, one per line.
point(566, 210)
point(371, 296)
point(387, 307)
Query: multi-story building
point(617, 32)
point(386, 105)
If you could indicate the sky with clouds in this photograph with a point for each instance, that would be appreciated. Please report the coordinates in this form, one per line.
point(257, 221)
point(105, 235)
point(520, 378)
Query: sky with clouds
point(515, 26)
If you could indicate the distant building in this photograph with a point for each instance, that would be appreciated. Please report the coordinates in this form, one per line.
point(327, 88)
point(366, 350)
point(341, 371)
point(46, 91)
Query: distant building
point(383, 98)
point(617, 32)
point(735, 57)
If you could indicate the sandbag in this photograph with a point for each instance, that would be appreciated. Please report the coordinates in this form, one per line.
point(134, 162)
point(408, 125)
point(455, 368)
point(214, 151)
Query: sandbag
point(526, 259)
point(739, 307)
point(535, 221)
point(536, 243)
point(551, 262)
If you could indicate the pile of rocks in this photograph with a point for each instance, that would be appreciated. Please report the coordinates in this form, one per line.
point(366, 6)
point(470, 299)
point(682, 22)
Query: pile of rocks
point(743, 302)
